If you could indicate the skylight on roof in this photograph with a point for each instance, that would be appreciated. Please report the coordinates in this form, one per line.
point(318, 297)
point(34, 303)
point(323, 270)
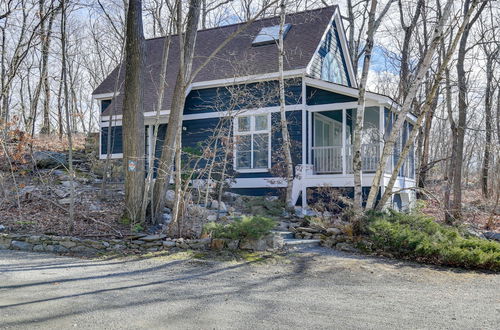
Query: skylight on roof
point(270, 34)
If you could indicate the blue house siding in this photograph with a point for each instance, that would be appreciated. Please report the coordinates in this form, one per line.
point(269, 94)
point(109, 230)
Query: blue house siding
point(162, 131)
point(315, 96)
point(116, 140)
point(294, 119)
point(256, 191)
point(243, 96)
point(197, 134)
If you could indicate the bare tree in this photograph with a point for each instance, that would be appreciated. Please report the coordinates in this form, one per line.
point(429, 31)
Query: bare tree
point(133, 119)
point(283, 121)
point(407, 104)
point(428, 102)
point(184, 78)
point(67, 116)
point(491, 48)
point(457, 157)
point(405, 49)
point(373, 24)
point(44, 76)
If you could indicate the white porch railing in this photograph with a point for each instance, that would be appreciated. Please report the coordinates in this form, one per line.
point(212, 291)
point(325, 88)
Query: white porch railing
point(329, 159)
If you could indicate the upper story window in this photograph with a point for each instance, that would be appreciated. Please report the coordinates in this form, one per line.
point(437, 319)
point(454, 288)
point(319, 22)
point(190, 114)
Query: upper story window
point(252, 142)
point(105, 104)
point(332, 68)
point(270, 34)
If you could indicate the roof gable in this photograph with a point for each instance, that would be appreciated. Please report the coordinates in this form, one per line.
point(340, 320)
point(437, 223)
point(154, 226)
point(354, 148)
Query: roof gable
point(331, 61)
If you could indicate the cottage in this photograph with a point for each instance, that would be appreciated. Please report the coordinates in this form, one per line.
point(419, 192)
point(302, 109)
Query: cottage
point(238, 90)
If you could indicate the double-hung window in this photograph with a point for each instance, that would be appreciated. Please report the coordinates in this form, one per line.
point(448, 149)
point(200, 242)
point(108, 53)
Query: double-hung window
point(252, 142)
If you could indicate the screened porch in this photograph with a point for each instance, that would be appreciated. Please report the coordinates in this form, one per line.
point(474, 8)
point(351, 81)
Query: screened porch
point(331, 151)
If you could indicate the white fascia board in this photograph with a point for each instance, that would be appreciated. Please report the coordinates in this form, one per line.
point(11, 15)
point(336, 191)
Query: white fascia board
point(113, 123)
point(397, 108)
point(115, 117)
point(153, 113)
point(112, 156)
point(332, 106)
point(105, 96)
point(323, 37)
point(345, 49)
point(245, 79)
point(256, 111)
point(412, 118)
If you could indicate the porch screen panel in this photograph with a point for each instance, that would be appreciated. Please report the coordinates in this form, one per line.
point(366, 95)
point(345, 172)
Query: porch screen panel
point(370, 138)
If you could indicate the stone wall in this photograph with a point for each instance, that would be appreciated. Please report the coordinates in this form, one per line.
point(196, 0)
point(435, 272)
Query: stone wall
point(139, 243)
point(73, 245)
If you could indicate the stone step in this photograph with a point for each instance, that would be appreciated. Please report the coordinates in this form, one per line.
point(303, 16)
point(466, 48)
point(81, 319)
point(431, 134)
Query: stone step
point(301, 243)
point(283, 234)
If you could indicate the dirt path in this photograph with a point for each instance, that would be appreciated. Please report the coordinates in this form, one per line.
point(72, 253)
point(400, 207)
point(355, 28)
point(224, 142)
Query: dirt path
point(317, 289)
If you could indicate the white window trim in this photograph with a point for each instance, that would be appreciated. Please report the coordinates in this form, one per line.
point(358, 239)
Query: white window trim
point(252, 131)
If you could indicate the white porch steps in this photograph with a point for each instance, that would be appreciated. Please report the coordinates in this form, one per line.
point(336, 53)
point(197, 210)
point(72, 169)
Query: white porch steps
point(293, 243)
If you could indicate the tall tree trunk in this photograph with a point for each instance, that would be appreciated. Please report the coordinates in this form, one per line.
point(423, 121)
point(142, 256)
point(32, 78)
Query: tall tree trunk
point(148, 189)
point(284, 125)
point(448, 178)
point(46, 38)
point(357, 165)
point(462, 113)
point(66, 108)
point(360, 113)
point(488, 97)
point(133, 120)
point(405, 49)
point(426, 137)
point(353, 52)
point(187, 43)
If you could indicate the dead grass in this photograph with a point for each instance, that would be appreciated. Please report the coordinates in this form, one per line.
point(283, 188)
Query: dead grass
point(477, 211)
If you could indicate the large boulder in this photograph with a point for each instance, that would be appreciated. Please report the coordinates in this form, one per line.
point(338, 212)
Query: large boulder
point(20, 245)
point(49, 159)
point(275, 242)
point(254, 244)
point(216, 206)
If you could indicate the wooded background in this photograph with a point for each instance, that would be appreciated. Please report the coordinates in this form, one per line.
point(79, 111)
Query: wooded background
point(53, 54)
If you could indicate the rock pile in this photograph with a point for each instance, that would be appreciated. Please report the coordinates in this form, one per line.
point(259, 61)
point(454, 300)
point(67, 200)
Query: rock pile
point(332, 237)
point(308, 232)
point(269, 242)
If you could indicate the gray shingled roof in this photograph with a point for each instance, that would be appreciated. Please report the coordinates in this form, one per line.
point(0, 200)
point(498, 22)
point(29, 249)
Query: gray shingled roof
point(237, 58)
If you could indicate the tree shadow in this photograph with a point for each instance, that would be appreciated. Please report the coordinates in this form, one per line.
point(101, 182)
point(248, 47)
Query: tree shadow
point(178, 291)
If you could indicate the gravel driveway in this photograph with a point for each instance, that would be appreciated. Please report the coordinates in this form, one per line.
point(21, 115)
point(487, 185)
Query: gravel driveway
point(316, 289)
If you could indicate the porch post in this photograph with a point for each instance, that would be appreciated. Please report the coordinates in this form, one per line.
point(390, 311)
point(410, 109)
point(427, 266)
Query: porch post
point(304, 130)
point(344, 151)
point(150, 145)
point(381, 146)
point(309, 136)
